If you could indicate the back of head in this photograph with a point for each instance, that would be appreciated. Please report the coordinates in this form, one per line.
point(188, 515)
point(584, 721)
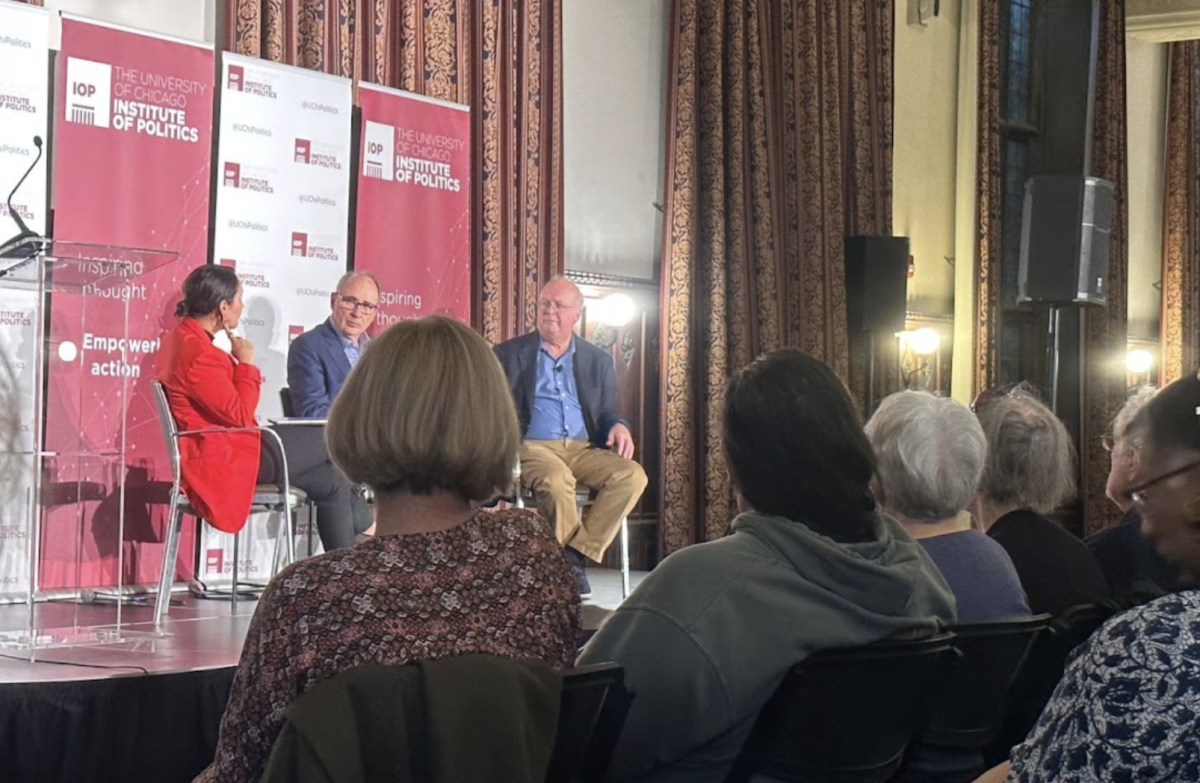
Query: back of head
point(930, 453)
point(426, 408)
point(1031, 460)
point(795, 445)
point(1169, 423)
point(204, 289)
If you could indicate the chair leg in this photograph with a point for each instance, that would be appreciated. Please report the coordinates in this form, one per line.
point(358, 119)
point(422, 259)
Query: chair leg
point(290, 514)
point(162, 601)
point(625, 557)
point(233, 593)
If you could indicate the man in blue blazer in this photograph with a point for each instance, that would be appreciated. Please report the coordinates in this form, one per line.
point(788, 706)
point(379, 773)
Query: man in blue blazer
point(565, 390)
point(320, 359)
point(318, 363)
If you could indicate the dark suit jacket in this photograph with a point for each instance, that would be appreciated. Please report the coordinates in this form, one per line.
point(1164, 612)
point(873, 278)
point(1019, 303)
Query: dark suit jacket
point(316, 369)
point(595, 380)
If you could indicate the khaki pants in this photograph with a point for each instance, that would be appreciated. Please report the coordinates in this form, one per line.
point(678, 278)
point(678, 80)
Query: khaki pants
point(553, 468)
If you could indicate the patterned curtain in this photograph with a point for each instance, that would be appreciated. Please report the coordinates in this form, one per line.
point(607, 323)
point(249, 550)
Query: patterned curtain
point(501, 57)
point(1106, 329)
point(779, 145)
point(1181, 208)
point(988, 201)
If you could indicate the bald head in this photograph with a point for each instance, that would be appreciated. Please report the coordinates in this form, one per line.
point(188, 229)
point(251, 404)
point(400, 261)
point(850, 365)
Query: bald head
point(560, 305)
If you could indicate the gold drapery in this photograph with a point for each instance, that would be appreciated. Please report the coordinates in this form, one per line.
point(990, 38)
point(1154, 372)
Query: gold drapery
point(1181, 203)
point(779, 146)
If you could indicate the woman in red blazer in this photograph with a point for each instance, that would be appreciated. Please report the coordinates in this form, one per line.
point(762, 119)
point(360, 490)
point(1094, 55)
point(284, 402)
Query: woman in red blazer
point(207, 387)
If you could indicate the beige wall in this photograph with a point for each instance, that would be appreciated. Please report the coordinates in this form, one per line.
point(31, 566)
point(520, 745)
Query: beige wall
point(925, 129)
point(1146, 94)
point(191, 19)
point(614, 103)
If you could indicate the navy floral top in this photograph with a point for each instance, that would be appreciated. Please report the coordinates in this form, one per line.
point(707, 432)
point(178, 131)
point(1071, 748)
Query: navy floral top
point(1128, 706)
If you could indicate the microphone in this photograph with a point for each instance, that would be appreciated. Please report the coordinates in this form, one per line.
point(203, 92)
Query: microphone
point(10, 248)
point(558, 368)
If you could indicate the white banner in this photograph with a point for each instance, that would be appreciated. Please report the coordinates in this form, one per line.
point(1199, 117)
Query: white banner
point(283, 193)
point(282, 218)
point(24, 115)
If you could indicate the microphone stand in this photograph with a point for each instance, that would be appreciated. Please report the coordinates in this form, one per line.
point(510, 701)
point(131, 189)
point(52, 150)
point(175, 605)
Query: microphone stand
point(19, 246)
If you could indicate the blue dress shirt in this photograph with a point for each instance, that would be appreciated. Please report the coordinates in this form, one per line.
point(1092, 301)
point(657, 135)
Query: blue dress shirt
point(556, 412)
point(353, 349)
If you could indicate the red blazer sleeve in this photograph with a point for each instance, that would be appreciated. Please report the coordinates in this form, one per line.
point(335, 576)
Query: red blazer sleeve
point(225, 404)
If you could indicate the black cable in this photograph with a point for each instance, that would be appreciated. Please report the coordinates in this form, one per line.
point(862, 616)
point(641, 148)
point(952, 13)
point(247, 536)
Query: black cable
point(142, 669)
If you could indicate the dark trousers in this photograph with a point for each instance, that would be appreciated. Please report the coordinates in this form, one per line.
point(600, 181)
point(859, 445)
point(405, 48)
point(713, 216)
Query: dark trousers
point(310, 469)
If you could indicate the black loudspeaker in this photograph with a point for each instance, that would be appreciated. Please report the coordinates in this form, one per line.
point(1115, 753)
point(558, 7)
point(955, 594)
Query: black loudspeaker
point(876, 283)
point(1065, 233)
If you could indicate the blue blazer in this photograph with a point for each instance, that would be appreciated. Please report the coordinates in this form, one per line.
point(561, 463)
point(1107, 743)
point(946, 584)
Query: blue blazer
point(595, 379)
point(316, 369)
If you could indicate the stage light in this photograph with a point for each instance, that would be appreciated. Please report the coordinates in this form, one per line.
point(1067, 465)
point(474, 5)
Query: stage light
point(1139, 361)
point(924, 341)
point(616, 309)
point(67, 351)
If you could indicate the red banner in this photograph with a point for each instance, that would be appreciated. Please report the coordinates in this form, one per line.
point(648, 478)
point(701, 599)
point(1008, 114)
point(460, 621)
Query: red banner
point(132, 146)
point(413, 226)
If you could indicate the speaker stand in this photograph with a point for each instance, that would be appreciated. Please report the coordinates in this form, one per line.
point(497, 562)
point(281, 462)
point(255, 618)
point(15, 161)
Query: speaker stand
point(1053, 350)
point(870, 375)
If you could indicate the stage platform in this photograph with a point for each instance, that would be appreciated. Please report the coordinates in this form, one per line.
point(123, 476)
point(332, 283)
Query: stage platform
point(146, 709)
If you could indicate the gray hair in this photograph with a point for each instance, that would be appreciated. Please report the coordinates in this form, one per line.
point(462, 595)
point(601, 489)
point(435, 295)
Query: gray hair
point(1031, 460)
point(930, 452)
point(1125, 416)
point(346, 278)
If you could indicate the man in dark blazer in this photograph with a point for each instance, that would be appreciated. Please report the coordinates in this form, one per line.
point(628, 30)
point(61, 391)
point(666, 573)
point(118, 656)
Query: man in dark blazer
point(565, 390)
point(320, 359)
point(318, 363)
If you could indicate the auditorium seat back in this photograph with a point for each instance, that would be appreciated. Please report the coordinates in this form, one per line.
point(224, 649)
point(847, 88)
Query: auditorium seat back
point(847, 715)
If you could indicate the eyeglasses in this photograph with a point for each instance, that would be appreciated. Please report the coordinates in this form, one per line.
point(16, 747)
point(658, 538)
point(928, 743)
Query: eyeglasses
point(554, 307)
point(1108, 442)
point(1138, 493)
point(350, 303)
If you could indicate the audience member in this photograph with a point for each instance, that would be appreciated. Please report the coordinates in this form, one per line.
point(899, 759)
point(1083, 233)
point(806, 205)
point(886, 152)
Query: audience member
point(1134, 569)
point(1126, 707)
point(318, 363)
point(930, 453)
point(1030, 472)
point(809, 564)
point(209, 388)
point(427, 422)
point(565, 390)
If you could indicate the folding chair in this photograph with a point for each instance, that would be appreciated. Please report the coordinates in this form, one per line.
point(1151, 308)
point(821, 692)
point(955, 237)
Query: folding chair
point(271, 498)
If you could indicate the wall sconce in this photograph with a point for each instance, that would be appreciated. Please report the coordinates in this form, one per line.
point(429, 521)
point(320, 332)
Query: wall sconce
point(615, 310)
point(1139, 363)
point(920, 359)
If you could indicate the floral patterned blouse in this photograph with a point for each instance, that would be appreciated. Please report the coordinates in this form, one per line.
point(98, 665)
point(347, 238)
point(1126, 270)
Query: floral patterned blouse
point(1128, 706)
point(499, 584)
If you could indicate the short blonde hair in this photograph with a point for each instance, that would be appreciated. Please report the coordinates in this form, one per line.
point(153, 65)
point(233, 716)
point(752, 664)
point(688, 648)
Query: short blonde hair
point(427, 407)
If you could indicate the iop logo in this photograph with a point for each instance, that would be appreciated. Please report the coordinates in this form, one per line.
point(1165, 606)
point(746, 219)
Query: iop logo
point(89, 92)
point(378, 160)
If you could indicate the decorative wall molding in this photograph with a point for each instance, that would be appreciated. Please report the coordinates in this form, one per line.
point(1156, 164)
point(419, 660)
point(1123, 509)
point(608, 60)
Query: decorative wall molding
point(1159, 21)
